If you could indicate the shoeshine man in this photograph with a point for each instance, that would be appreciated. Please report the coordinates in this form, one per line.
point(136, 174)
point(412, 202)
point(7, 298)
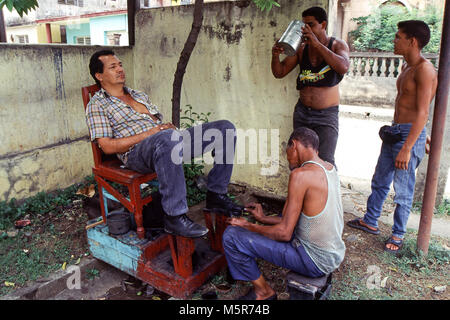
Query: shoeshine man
point(125, 122)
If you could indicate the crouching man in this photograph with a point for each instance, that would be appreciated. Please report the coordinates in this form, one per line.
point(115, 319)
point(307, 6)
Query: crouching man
point(306, 238)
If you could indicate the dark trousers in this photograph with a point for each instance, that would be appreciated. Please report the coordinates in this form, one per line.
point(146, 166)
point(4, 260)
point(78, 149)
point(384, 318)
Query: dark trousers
point(164, 152)
point(325, 123)
point(243, 247)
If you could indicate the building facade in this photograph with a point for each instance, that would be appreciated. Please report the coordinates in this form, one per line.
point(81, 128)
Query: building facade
point(100, 22)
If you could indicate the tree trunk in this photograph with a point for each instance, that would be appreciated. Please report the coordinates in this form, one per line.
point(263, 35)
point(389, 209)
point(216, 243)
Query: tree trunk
point(184, 59)
point(2, 27)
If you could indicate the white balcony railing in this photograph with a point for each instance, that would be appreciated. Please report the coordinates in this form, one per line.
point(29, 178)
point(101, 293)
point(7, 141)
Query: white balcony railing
point(380, 64)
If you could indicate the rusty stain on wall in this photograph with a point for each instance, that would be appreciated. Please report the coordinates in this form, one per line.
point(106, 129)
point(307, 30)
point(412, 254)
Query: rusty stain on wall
point(227, 75)
point(58, 69)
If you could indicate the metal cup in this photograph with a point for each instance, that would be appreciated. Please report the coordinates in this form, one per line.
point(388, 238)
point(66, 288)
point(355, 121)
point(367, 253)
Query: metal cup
point(292, 37)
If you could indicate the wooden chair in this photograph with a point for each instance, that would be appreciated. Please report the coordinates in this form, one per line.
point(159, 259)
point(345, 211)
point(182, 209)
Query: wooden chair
point(109, 167)
point(152, 265)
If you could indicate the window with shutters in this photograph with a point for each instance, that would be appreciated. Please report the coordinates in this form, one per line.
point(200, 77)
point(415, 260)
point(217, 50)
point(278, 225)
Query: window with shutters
point(78, 3)
point(83, 40)
point(21, 38)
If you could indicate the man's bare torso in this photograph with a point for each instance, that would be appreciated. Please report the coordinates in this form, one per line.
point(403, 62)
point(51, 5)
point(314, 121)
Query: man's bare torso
point(406, 101)
point(138, 107)
point(318, 97)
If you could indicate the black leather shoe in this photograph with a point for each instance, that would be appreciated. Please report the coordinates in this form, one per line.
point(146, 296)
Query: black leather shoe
point(183, 226)
point(222, 204)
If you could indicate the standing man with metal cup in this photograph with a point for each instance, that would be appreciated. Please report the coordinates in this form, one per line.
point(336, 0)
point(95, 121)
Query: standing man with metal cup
point(323, 62)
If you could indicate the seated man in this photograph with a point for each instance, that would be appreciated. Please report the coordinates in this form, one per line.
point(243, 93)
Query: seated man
point(307, 238)
point(125, 122)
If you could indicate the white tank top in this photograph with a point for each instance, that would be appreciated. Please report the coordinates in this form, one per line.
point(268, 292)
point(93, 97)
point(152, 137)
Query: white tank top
point(321, 235)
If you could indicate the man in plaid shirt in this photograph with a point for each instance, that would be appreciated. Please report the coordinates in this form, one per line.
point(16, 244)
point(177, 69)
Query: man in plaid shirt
point(123, 121)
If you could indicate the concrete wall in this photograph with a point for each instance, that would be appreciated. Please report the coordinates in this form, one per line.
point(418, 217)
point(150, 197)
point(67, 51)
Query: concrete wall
point(229, 71)
point(43, 135)
point(371, 91)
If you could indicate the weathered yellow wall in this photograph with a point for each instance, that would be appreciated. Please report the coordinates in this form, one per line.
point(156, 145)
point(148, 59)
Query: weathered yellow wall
point(229, 71)
point(44, 144)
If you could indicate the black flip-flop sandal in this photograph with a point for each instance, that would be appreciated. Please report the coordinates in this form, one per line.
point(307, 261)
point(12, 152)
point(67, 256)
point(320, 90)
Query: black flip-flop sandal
point(357, 225)
point(251, 295)
point(398, 243)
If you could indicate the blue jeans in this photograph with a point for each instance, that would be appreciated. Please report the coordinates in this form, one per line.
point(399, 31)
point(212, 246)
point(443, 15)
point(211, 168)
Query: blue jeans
point(324, 122)
point(163, 153)
point(404, 181)
point(242, 247)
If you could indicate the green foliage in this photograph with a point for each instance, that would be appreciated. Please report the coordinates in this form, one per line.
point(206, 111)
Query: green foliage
point(410, 261)
point(193, 118)
point(93, 273)
point(21, 6)
point(408, 265)
point(376, 31)
point(22, 261)
point(266, 4)
point(442, 210)
point(41, 203)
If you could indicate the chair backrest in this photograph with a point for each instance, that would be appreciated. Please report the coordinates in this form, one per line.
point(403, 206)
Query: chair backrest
point(87, 93)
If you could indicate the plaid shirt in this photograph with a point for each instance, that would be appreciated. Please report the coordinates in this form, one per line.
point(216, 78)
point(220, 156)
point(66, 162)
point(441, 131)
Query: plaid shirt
point(108, 116)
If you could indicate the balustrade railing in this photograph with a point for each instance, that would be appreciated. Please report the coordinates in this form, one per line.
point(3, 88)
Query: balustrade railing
point(380, 64)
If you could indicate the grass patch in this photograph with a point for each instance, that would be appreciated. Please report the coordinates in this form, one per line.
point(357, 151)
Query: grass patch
point(55, 235)
point(92, 274)
point(410, 261)
point(409, 276)
point(441, 211)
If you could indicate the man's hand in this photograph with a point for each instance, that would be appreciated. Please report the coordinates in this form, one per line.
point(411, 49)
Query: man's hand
point(256, 210)
point(309, 36)
point(402, 160)
point(166, 126)
point(161, 127)
point(238, 222)
point(277, 49)
point(170, 125)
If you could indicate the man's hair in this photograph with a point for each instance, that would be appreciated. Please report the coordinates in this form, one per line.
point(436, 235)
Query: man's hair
point(96, 65)
point(416, 29)
point(306, 137)
point(317, 12)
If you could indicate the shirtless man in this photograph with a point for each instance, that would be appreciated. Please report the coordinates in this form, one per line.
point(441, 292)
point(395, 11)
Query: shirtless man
point(306, 238)
point(323, 62)
point(416, 86)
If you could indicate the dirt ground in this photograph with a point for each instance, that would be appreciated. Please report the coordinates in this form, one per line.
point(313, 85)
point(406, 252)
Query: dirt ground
point(398, 279)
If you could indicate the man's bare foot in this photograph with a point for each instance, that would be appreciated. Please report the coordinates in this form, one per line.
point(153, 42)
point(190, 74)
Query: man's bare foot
point(263, 295)
point(361, 221)
point(361, 225)
point(392, 246)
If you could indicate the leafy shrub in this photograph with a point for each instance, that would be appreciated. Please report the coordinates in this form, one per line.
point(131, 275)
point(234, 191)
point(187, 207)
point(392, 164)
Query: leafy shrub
point(376, 31)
